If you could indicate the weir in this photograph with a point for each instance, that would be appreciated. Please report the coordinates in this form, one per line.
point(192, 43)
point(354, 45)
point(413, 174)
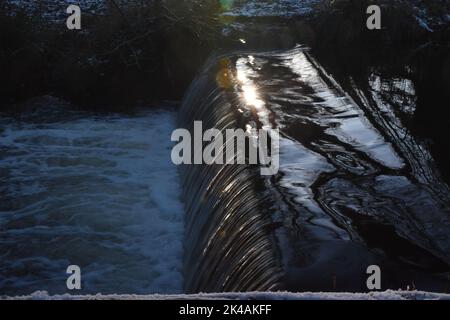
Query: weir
point(229, 246)
point(347, 182)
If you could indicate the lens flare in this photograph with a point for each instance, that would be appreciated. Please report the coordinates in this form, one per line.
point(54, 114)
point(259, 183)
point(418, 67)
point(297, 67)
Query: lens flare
point(226, 4)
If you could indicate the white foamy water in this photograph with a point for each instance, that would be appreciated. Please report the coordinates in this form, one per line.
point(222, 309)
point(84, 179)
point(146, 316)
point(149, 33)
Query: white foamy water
point(96, 191)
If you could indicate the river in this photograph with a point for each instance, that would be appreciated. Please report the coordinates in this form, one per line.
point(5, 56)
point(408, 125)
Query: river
point(97, 190)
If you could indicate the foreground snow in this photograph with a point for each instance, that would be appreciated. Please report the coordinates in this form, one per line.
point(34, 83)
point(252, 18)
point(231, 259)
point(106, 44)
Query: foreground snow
point(386, 295)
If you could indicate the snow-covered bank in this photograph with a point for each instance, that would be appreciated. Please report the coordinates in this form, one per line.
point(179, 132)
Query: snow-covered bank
point(266, 8)
point(421, 9)
point(386, 295)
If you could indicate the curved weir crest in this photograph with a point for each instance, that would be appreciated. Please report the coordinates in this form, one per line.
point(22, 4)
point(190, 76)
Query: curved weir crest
point(347, 183)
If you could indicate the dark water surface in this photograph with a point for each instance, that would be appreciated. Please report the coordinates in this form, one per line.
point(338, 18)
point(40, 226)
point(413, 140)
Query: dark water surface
point(356, 185)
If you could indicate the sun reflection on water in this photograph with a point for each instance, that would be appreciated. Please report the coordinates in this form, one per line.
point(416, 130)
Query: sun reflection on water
point(249, 89)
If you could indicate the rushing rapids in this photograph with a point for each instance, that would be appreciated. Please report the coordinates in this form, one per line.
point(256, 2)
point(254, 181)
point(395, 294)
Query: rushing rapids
point(355, 187)
point(79, 187)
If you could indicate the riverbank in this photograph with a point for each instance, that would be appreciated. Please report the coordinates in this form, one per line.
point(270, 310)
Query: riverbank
point(140, 51)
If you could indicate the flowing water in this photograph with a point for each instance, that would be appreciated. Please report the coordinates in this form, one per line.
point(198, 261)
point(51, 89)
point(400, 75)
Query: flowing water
point(93, 190)
point(355, 187)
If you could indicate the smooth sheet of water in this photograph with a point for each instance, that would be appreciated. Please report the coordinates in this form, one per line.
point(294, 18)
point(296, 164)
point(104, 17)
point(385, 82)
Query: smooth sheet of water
point(355, 186)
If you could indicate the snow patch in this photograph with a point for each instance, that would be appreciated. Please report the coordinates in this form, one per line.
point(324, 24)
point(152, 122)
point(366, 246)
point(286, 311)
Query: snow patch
point(423, 24)
point(386, 295)
point(266, 8)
